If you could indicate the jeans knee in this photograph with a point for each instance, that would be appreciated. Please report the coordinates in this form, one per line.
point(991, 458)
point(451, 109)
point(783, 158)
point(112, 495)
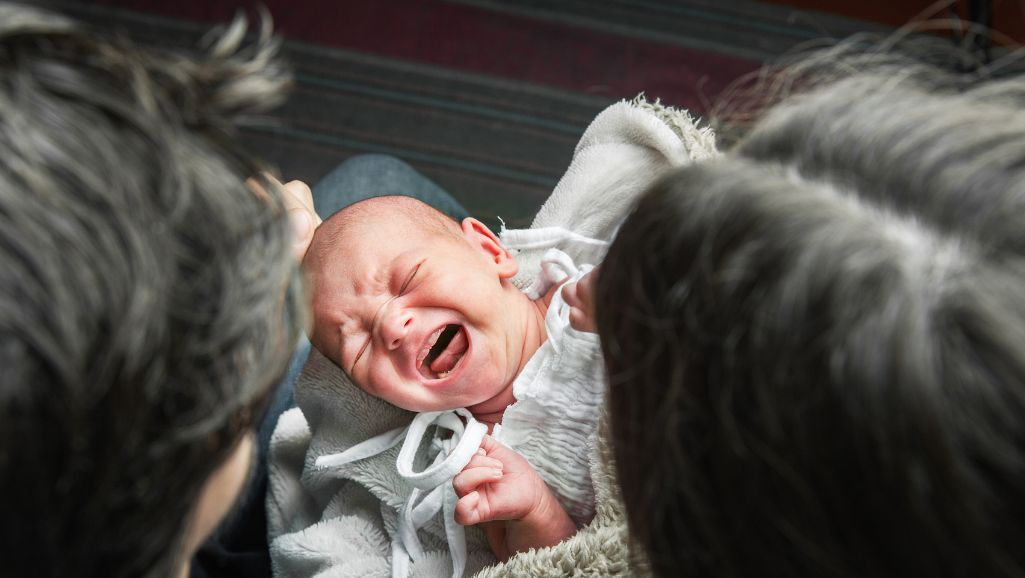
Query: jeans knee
point(361, 177)
point(370, 163)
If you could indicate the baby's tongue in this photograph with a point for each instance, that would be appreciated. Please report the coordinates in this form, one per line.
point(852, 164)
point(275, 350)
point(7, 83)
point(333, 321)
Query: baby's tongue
point(455, 350)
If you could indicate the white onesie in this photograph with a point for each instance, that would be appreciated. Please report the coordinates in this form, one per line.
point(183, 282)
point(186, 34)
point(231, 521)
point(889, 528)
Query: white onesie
point(559, 392)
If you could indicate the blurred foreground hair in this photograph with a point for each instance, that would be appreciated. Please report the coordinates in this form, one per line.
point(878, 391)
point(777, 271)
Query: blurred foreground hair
point(147, 295)
point(908, 51)
point(816, 343)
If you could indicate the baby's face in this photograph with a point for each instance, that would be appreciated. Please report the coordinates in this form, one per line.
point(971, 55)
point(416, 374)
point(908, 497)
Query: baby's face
point(422, 319)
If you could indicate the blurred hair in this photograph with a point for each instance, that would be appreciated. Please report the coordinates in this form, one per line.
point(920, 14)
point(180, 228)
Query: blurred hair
point(147, 295)
point(905, 52)
point(816, 343)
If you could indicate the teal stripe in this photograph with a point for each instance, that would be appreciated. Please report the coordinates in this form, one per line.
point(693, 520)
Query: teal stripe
point(461, 108)
point(547, 183)
point(705, 14)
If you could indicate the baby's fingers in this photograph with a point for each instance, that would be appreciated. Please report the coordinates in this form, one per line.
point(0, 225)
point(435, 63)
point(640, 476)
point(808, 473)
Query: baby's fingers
point(467, 510)
point(482, 460)
point(470, 479)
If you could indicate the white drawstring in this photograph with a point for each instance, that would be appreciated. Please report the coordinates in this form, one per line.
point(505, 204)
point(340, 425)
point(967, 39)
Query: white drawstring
point(557, 268)
point(549, 238)
point(434, 484)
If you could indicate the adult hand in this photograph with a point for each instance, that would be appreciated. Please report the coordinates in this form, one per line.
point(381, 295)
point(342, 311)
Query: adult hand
point(580, 298)
point(302, 217)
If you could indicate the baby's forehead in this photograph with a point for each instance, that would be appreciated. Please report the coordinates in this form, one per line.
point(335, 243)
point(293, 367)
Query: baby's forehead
point(368, 238)
point(381, 228)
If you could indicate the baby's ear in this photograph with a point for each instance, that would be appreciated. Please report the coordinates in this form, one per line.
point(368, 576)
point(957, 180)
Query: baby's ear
point(481, 237)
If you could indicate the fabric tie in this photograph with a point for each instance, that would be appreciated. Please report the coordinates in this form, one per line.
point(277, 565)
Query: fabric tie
point(432, 487)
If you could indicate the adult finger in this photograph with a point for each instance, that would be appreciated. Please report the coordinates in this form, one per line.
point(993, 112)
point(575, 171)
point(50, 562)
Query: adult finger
point(299, 194)
point(581, 321)
point(298, 200)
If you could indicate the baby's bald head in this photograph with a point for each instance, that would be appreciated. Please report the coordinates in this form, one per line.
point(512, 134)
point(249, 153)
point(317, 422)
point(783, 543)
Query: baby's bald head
point(417, 309)
point(341, 233)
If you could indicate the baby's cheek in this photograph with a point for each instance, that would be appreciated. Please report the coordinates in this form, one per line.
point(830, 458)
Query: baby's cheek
point(382, 382)
point(324, 334)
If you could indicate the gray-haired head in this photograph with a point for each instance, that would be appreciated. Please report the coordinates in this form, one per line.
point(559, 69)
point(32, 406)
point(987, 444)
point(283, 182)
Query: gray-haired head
point(147, 299)
point(816, 343)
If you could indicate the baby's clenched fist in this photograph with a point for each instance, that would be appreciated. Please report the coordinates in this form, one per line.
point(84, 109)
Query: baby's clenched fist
point(499, 489)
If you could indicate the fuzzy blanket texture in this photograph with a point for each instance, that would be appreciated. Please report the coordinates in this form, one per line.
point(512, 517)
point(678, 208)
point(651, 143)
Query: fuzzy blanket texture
point(328, 526)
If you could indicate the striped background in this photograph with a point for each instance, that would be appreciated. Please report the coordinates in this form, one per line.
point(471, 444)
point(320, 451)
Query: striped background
point(486, 97)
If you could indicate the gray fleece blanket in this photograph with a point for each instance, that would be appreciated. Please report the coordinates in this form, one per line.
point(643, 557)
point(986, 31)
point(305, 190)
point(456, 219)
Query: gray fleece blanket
point(322, 524)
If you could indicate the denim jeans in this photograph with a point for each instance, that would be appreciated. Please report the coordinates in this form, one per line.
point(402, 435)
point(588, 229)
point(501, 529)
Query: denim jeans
point(239, 547)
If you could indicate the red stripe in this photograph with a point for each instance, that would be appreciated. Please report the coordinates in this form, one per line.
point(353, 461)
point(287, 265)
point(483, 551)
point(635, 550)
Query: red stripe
point(476, 40)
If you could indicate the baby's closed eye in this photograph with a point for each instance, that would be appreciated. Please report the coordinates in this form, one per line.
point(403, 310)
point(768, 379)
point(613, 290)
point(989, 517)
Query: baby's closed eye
point(409, 280)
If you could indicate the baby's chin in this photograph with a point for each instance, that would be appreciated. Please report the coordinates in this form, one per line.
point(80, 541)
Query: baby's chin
point(488, 401)
point(490, 405)
point(494, 404)
point(417, 405)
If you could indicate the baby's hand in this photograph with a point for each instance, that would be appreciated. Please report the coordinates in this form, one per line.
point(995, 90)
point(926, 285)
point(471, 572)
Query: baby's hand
point(500, 489)
point(580, 298)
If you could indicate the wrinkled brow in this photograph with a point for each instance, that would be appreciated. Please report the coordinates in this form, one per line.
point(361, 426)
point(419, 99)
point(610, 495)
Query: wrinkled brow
point(367, 294)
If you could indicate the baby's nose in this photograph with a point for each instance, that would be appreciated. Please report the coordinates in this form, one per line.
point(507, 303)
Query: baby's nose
point(395, 325)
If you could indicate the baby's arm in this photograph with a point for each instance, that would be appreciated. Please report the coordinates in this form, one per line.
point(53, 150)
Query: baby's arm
point(580, 298)
point(517, 511)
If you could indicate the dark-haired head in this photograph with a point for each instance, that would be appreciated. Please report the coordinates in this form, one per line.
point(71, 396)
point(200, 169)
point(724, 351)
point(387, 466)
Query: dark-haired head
point(147, 300)
point(817, 343)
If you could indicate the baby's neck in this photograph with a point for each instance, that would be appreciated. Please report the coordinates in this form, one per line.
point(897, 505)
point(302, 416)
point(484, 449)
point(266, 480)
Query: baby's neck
point(492, 411)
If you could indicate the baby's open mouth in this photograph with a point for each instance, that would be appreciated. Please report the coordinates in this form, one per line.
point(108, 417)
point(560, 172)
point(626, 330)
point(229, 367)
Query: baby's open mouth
point(443, 350)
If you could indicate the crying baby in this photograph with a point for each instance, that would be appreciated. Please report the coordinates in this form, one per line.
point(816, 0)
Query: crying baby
point(420, 311)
